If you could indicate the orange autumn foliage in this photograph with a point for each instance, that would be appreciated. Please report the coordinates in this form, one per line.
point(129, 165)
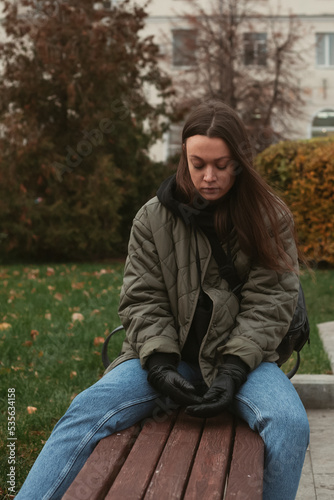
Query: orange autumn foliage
point(302, 173)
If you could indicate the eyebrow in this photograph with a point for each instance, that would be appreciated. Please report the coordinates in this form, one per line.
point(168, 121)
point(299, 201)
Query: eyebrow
point(216, 159)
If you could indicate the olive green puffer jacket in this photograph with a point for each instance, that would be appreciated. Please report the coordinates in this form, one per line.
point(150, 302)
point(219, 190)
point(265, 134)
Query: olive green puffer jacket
point(161, 288)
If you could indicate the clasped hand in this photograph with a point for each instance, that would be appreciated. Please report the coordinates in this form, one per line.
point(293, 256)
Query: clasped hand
point(166, 380)
point(216, 399)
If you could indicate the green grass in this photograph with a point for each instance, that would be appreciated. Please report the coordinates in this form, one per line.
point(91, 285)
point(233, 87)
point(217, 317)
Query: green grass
point(49, 368)
point(49, 358)
point(319, 296)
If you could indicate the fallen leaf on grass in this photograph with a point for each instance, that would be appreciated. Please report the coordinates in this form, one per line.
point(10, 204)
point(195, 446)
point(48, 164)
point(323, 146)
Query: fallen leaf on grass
point(78, 286)
point(77, 358)
point(17, 368)
point(31, 409)
point(27, 343)
point(99, 340)
point(37, 433)
point(73, 374)
point(50, 271)
point(5, 326)
point(58, 296)
point(95, 311)
point(77, 317)
point(32, 274)
point(33, 334)
point(48, 316)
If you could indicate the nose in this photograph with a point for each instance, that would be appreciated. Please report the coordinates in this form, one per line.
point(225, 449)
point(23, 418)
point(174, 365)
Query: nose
point(209, 174)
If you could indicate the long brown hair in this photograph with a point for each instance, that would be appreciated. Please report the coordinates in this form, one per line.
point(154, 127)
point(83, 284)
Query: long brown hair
point(251, 207)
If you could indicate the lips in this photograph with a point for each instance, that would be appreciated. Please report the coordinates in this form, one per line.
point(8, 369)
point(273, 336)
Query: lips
point(210, 190)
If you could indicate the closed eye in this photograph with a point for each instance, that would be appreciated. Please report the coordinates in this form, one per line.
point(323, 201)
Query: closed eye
point(224, 165)
point(197, 164)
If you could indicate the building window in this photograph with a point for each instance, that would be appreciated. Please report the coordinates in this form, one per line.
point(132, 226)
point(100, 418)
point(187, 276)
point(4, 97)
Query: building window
point(255, 49)
point(323, 123)
point(325, 49)
point(174, 140)
point(184, 45)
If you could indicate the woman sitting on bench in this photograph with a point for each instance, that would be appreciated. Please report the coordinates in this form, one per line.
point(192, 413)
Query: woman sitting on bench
point(191, 338)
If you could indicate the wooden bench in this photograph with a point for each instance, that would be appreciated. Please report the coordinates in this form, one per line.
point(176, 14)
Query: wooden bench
point(175, 456)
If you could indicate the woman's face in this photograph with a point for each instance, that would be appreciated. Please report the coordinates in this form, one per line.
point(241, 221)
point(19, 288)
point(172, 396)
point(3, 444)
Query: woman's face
point(210, 166)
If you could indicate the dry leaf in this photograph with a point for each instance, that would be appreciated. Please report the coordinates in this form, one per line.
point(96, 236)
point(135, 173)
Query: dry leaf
point(33, 273)
point(99, 340)
point(33, 334)
point(50, 271)
point(78, 286)
point(77, 358)
point(95, 311)
point(27, 343)
point(58, 296)
point(17, 368)
point(77, 317)
point(5, 326)
point(73, 374)
point(31, 409)
point(50, 287)
point(48, 316)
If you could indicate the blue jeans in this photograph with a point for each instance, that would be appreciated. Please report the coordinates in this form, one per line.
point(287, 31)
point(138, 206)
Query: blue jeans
point(267, 401)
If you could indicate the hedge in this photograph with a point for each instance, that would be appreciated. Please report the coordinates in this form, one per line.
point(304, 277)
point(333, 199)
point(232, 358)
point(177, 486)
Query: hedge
point(302, 172)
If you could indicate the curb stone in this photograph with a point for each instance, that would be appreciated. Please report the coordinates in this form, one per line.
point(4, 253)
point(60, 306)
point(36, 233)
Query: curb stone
point(317, 391)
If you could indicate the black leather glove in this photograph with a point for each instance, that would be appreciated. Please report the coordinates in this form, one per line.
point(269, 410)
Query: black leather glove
point(166, 380)
point(231, 375)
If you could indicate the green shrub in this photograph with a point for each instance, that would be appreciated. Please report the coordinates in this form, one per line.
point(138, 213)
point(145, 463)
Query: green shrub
point(302, 172)
point(86, 216)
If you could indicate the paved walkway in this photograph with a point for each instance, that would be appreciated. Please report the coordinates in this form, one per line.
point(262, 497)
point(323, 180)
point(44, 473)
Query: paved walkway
point(317, 482)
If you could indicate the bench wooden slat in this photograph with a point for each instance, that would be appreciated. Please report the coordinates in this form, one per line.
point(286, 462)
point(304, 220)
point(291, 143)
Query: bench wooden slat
point(211, 463)
point(172, 472)
point(136, 473)
point(246, 472)
point(103, 465)
point(175, 456)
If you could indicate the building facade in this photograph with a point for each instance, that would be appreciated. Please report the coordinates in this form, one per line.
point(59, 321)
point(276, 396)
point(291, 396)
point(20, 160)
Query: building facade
point(171, 32)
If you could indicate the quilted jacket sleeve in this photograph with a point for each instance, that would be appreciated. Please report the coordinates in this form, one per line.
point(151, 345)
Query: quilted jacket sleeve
point(268, 303)
point(144, 304)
